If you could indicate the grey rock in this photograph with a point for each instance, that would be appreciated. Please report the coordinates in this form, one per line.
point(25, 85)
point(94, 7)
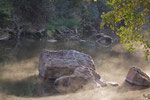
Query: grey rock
point(102, 39)
point(105, 40)
point(54, 64)
point(69, 83)
point(52, 40)
point(82, 78)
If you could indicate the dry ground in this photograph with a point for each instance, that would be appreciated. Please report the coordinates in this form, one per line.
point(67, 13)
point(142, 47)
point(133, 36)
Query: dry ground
point(112, 67)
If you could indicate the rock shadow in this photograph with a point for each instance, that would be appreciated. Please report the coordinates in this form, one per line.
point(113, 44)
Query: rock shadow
point(33, 86)
point(125, 87)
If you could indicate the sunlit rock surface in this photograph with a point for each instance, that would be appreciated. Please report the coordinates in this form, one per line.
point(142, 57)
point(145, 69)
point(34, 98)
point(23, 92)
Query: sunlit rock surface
point(82, 77)
point(54, 64)
point(136, 77)
point(71, 70)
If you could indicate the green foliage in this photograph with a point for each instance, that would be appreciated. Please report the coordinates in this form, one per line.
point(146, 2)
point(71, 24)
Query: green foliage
point(36, 12)
point(4, 14)
point(4, 11)
point(51, 14)
point(67, 14)
point(62, 23)
point(126, 19)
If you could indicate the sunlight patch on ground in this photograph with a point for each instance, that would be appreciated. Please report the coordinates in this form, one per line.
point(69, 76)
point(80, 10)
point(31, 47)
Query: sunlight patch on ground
point(19, 70)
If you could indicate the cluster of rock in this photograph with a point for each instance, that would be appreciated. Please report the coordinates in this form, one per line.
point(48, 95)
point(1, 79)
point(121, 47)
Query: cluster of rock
point(70, 69)
point(67, 35)
point(77, 35)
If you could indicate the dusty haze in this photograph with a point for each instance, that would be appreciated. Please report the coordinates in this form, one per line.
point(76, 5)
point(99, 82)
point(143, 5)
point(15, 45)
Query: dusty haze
point(112, 66)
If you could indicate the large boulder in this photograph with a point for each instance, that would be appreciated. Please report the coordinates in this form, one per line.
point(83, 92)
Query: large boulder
point(82, 77)
point(55, 64)
point(136, 77)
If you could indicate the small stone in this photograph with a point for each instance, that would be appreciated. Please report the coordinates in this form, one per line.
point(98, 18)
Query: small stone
point(113, 83)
